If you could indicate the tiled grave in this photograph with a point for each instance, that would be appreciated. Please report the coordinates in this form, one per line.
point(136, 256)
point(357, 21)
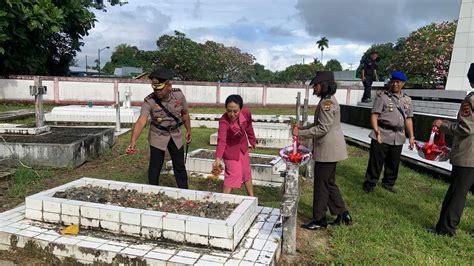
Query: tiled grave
point(261, 245)
point(22, 129)
point(262, 174)
point(60, 147)
point(94, 114)
point(268, 136)
point(224, 234)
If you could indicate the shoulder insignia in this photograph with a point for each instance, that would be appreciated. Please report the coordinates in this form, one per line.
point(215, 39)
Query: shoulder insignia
point(149, 96)
point(388, 93)
point(327, 105)
point(470, 95)
point(175, 89)
point(379, 93)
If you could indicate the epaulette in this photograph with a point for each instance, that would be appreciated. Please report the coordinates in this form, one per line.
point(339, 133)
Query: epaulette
point(149, 96)
point(470, 95)
point(388, 93)
point(175, 89)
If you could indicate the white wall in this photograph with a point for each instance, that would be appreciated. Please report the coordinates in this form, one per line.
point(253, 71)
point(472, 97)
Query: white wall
point(463, 49)
point(13, 89)
point(89, 89)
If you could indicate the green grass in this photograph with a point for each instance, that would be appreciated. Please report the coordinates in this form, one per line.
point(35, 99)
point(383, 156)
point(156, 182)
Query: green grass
point(388, 228)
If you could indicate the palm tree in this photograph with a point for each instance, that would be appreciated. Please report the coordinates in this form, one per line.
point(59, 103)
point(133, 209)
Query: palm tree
point(324, 42)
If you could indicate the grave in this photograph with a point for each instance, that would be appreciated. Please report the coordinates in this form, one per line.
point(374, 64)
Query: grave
point(212, 120)
point(92, 114)
point(250, 235)
point(60, 147)
point(268, 136)
point(267, 170)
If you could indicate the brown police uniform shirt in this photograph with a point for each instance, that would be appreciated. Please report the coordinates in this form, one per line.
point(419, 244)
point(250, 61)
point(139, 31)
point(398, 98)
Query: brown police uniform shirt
point(389, 115)
point(175, 102)
point(328, 140)
point(462, 151)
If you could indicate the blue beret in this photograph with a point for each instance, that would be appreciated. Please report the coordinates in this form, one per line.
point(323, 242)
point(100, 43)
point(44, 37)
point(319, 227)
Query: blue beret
point(398, 75)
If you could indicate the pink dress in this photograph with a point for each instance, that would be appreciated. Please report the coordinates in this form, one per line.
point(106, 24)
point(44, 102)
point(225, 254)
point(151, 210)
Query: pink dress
point(232, 147)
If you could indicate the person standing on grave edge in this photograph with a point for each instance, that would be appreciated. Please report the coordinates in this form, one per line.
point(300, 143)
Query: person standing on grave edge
point(368, 75)
point(462, 159)
point(168, 110)
point(392, 113)
point(233, 138)
point(329, 147)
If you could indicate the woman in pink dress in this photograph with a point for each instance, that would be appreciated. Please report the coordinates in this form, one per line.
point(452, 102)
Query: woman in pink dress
point(234, 135)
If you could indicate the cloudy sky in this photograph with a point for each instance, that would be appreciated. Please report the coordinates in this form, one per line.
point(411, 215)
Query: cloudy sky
point(278, 33)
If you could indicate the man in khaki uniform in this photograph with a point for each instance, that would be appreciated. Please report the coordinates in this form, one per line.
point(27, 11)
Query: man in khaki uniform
point(168, 110)
point(392, 113)
point(329, 147)
point(462, 159)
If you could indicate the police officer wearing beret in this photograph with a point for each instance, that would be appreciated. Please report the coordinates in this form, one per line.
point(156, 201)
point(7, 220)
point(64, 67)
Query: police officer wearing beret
point(462, 159)
point(329, 147)
point(392, 113)
point(168, 110)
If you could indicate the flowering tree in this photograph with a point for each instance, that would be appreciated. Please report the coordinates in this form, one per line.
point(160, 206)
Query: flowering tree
point(426, 54)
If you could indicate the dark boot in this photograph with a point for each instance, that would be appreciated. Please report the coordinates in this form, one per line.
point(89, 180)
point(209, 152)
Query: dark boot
point(345, 218)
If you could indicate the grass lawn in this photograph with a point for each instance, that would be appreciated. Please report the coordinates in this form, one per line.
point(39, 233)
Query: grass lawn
point(388, 228)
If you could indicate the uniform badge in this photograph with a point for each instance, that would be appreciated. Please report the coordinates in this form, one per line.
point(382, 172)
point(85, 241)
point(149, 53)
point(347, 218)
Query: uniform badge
point(327, 105)
point(159, 119)
point(466, 109)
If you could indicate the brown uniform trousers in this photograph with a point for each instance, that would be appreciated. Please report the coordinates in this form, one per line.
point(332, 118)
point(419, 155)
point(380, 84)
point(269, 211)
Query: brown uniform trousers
point(329, 147)
point(462, 159)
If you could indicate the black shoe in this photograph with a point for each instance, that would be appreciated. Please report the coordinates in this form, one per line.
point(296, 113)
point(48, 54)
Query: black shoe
point(389, 188)
point(439, 233)
point(345, 218)
point(368, 100)
point(315, 225)
point(368, 188)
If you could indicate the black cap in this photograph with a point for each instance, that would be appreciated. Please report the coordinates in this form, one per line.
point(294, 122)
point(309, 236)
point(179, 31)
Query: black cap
point(470, 73)
point(322, 76)
point(161, 74)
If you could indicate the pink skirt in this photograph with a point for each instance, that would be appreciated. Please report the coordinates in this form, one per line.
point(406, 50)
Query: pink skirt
point(237, 172)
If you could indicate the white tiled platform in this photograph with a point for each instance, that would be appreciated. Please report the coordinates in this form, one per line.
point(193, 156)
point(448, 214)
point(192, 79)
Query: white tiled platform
point(360, 135)
point(261, 245)
point(268, 136)
point(21, 130)
point(262, 174)
point(94, 114)
point(255, 118)
point(223, 234)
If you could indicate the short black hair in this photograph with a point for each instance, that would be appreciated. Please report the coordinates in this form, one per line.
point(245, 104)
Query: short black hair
point(234, 98)
point(328, 88)
point(373, 52)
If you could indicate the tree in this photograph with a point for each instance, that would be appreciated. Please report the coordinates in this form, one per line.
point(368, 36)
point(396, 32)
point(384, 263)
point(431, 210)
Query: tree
point(333, 65)
point(426, 54)
point(386, 52)
point(43, 36)
point(299, 73)
point(180, 54)
point(125, 55)
point(322, 43)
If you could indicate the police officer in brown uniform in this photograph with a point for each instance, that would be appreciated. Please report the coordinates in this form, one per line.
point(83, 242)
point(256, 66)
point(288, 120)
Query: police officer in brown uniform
point(392, 113)
point(329, 147)
point(168, 110)
point(462, 159)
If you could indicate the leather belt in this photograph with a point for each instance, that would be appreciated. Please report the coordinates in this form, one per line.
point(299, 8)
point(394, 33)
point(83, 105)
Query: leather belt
point(389, 127)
